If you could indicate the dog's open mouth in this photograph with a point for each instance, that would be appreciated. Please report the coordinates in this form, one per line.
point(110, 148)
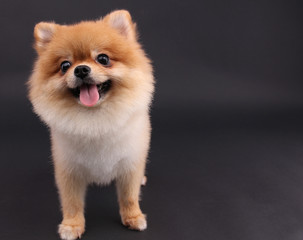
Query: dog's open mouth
point(89, 94)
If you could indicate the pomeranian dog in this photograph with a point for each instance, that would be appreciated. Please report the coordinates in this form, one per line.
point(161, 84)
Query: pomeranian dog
point(92, 85)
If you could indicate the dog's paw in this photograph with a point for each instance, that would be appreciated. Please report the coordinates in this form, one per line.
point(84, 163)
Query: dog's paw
point(70, 232)
point(135, 223)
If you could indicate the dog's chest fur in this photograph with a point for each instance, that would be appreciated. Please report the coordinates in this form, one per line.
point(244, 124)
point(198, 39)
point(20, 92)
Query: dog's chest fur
point(101, 159)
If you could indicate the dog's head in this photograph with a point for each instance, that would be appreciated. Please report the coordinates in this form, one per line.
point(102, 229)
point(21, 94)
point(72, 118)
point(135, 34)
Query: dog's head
point(88, 67)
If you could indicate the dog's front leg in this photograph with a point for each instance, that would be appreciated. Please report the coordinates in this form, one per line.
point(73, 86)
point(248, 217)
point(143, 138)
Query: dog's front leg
point(72, 193)
point(128, 189)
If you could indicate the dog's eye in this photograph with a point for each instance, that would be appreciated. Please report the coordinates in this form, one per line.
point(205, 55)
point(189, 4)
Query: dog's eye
point(103, 59)
point(65, 66)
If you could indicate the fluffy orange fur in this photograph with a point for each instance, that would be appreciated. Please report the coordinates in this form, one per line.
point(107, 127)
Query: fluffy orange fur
point(106, 142)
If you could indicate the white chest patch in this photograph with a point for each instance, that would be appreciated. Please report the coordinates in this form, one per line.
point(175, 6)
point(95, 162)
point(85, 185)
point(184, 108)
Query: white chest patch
point(100, 159)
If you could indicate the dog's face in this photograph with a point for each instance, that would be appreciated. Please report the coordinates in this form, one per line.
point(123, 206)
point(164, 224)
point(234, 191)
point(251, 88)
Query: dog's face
point(88, 67)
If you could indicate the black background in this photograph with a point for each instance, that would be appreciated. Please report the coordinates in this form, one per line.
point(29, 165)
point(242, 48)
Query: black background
point(227, 145)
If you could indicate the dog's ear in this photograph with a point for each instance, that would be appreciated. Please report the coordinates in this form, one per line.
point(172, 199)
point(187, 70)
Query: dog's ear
point(43, 33)
point(122, 22)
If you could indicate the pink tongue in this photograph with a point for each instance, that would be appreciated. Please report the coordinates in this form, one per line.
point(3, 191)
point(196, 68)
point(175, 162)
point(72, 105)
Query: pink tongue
point(89, 95)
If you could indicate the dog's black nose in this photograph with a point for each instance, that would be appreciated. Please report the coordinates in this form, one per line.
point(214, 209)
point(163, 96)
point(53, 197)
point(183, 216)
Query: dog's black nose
point(82, 71)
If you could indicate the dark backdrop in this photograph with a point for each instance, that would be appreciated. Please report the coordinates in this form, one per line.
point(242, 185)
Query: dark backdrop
point(227, 145)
